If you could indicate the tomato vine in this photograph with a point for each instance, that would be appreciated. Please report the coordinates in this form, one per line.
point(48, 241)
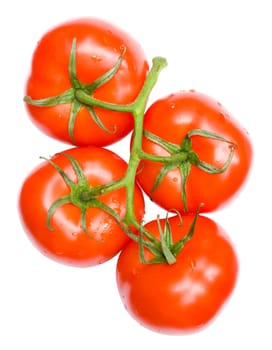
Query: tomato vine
point(182, 157)
point(85, 205)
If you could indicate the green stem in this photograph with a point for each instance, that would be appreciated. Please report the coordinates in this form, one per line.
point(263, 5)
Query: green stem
point(88, 100)
point(135, 155)
point(180, 157)
point(102, 189)
point(137, 108)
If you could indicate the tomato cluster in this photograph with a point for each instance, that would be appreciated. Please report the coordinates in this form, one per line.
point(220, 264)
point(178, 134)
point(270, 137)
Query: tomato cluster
point(89, 87)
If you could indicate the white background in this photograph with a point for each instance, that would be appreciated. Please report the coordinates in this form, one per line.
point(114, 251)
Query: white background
point(221, 48)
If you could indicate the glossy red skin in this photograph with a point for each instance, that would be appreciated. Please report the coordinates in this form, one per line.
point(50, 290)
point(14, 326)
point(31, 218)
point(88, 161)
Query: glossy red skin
point(67, 243)
point(99, 45)
point(186, 296)
point(171, 118)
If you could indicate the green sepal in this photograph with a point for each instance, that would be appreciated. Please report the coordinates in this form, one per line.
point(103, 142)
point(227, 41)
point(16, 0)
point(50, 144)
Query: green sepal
point(76, 84)
point(98, 121)
point(183, 157)
point(167, 233)
point(169, 146)
point(65, 177)
point(143, 243)
point(75, 108)
point(90, 88)
point(77, 169)
point(208, 168)
point(164, 170)
point(186, 144)
point(58, 203)
point(178, 246)
point(184, 169)
point(66, 97)
point(166, 247)
point(207, 134)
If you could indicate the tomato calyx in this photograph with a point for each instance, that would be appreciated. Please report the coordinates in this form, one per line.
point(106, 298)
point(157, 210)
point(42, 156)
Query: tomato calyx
point(168, 250)
point(77, 195)
point(72, 95)
point(183, 157)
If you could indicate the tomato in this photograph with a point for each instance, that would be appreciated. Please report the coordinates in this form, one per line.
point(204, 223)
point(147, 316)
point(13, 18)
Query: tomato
point(64, 238)
point(99, 44)
point(187, 295)
point(171, 118)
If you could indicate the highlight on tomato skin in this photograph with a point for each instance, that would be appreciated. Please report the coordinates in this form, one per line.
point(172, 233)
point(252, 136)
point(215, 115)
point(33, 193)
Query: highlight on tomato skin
point(188, 295)
point(99, 45)
point(171, 118)
point(63, 238)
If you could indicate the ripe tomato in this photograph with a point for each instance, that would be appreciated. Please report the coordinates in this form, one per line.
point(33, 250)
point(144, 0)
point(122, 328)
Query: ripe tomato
point(171, 118)
point(98, 46)
point(66, 241)
point(187, 295)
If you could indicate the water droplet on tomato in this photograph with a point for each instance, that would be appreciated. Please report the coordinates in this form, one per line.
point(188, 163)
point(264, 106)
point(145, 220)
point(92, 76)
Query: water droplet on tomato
point(96, 58)
point(192, 264)
point(135, 271)
point(172, 106)
point(106, 225)
point(59, 252)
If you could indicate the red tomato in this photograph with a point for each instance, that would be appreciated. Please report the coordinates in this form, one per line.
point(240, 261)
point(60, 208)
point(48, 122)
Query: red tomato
point(187, 295)
point(67, 242)
point(98, 46)
point(171, 118)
